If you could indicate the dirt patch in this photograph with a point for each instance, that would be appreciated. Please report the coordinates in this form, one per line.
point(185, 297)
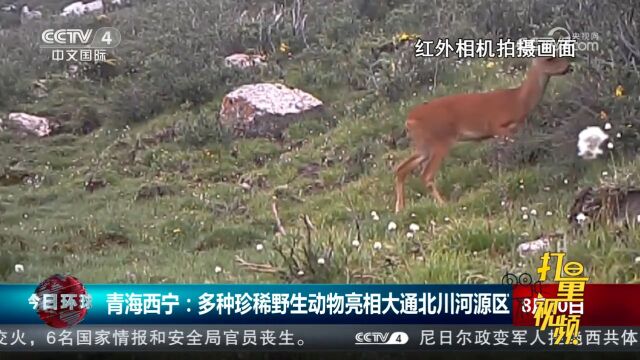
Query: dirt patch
point(153, 191)
point(109, 239)
point(604, 205)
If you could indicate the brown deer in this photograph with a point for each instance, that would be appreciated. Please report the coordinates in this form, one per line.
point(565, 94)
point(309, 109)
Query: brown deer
point(435, 126)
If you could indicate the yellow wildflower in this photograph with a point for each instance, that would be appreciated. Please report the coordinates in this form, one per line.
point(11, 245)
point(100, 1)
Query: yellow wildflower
point(403, 36)
point(177, 231)
point(491, 65)
point(284, 47)
point(619, 90)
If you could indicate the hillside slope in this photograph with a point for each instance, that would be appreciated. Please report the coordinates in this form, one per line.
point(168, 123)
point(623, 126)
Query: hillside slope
point(174, 210)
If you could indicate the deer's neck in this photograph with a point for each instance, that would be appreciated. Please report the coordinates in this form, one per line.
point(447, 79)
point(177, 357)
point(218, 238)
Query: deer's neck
point(532, 90)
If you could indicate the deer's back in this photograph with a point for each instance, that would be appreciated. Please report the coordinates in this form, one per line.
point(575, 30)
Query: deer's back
point(451, 115)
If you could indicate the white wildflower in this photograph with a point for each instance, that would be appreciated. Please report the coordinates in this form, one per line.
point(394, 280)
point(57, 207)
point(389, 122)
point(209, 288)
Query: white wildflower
point(420, 258)
point(218, 269)
point(581, 217)
point(300, 273)
point(374, 216)
point(414, 227)
point(637, 259)
point(409, 235)
point(355, 243)
point(392, 226)
point(377, 245)
point(605, 173)
point(533, 212)
point(525, 217)
point(446, 219)
point(566, 181)
point(320, 261)
point(610, 145)
point(589, 141)
point(524, 209)
point(607, 126)
point(19, 268)
point(618, 135)
point(549, 213)
point(259, 247)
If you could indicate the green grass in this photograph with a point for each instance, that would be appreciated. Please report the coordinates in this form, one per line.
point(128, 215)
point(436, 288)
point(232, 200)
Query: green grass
point(207, 219)
point(336, 174)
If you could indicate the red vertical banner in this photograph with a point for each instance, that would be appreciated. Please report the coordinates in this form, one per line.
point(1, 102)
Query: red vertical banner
point(604, 304)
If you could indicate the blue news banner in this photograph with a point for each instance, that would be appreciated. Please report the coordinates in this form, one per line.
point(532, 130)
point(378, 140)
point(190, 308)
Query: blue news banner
point(269, 317)
point(277, 304)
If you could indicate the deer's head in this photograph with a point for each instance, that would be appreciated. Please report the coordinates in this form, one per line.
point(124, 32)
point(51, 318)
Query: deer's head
point(553, 66)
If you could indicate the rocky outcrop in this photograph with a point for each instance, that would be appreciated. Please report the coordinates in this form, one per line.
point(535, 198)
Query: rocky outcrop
point(266, 109)
point(29, 124)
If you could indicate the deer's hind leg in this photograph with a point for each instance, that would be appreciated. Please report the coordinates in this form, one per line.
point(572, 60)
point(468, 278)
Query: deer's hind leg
point(402, 171)
point(438, 153)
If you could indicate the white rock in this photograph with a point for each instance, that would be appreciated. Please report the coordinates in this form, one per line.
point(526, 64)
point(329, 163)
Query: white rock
point(266, 109)
point(532, 247)
point(76, 8)
point(36, 125)
point(30, 14)
point(79, 8)
point(243, 61)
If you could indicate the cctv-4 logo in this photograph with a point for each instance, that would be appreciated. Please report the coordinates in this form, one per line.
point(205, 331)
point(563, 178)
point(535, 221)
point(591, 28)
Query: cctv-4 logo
point(381, 338)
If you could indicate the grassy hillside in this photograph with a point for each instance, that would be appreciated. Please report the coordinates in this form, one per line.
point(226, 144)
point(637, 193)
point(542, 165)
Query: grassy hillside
point(173, 210)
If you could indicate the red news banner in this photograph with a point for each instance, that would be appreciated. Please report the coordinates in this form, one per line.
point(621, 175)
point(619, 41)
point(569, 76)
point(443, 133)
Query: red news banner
point(604, 304)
